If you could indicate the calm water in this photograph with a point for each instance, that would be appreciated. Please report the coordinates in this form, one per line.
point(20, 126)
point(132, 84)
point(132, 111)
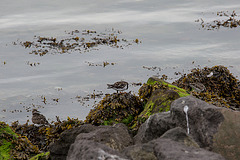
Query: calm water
point(171, 40)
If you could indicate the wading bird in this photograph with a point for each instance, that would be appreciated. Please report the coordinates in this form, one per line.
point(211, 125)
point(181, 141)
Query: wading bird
point(118, 86)
point(38, 118)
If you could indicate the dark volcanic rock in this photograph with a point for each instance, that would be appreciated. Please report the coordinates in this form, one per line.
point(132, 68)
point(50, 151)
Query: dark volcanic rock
point(115, 137)
point(59, 149)
point(163, 136)
point(204, 119)
point(227, 140)
point(212, 128)
point(90, 150)
point(179, 135)
point(154, 127)
point(140, 152)
point(169, 149)
point(166, 149)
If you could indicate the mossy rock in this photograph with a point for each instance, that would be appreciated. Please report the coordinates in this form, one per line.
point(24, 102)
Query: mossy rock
point(41, 156)
point(157, 95)
point(160, 101)
point(6, 134)
point(13, 146)
point(154, 80)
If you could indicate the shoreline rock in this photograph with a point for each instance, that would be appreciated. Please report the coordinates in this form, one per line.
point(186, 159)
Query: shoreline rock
point(163, 122)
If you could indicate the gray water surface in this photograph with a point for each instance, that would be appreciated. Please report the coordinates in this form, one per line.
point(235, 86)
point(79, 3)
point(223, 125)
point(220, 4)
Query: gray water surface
point(171, 40)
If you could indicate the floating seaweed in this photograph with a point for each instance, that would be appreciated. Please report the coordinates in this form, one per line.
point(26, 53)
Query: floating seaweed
point(230, 21)
point(104, 64)
point(84, 41)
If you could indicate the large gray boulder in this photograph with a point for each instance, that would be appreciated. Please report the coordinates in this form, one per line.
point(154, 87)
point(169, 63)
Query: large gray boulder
point(212, 128)
point(178, 134)
point(155, 126)
point(116, 137)
point(143, 151)
point(204, 119)
point(104, 142)
point(59, 149)
point(167, 149)
point(90, 150)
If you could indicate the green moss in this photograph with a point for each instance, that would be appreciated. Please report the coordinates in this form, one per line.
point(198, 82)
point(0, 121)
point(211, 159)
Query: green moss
point(6, 134)
point(41, 156)
point(180, 91)
point(148, 108)
point(5, 128)
point(5, 149)
point(128, 120)
point(109, 122)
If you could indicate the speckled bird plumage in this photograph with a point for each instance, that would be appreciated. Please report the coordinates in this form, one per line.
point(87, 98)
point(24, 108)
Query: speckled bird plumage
point(38, 118)
point(118, 86)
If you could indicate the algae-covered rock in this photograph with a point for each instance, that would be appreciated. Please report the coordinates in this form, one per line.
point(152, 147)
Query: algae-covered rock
point(13, 146)
point(6, 134)
point(159, 101)
point(115, 108)
point(158, 96)
point(41, 156)
point(221, 87)
point(43, 135)
point(164, 85)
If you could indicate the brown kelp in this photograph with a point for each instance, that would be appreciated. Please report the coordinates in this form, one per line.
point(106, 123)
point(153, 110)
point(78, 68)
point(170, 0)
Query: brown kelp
point(221, 87)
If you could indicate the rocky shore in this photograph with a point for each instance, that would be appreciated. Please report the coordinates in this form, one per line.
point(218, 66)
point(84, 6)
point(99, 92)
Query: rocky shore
point(164, 122)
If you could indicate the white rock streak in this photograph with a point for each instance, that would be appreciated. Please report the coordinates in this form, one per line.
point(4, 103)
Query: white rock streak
point(185, 109)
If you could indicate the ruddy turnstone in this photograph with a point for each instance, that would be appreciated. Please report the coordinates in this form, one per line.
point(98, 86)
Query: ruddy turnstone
point(118, 86)
point(198, 87)
point(38, 118)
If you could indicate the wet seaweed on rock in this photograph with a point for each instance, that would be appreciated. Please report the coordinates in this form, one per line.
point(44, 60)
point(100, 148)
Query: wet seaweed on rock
point(221, 87)
point(14, 146)
point(115, 108)
point(43, 135)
